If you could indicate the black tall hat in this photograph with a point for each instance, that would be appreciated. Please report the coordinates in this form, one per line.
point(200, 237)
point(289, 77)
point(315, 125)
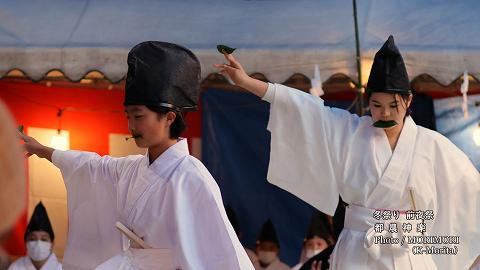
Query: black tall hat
point(39, 222)
point(162, 74)
point(233, 218)
point(268, 233)
point(388, 72)
point(319, 226)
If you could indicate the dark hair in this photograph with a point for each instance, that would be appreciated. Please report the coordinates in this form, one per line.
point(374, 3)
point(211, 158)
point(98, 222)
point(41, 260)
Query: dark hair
point(404, 96)
point(178, 125)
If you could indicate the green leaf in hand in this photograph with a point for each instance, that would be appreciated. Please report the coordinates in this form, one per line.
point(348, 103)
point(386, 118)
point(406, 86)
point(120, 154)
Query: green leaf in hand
point(20, 128)
point(225, 49)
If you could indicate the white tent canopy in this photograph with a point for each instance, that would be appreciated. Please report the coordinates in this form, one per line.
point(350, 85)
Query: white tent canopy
point(276, 38)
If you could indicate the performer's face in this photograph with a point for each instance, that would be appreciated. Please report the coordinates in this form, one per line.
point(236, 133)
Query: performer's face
point(388, 107)
point(267, 252)
point(148, 127)
point(39, 246)
point(316, 243)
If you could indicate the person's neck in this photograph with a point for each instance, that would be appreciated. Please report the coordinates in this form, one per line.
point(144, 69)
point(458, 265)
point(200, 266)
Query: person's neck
point(38, 264)
point(155, 151)
point(393, 134)
point(264, 265)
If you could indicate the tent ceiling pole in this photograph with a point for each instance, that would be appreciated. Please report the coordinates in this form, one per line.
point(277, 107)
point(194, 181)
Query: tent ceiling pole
point(359, 86)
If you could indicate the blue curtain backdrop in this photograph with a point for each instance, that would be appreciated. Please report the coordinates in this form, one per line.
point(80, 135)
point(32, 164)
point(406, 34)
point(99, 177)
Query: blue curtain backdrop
point(236, 149)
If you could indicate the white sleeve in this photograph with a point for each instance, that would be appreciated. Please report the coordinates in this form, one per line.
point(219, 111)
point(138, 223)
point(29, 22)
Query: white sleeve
point(458, 197)
point(93, 166)
point(91, 183)
point(270, 94)
point(309, 143)
point(206, 239)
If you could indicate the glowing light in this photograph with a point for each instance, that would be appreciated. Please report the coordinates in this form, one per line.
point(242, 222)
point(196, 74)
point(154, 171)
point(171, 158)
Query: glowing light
point(60, 141)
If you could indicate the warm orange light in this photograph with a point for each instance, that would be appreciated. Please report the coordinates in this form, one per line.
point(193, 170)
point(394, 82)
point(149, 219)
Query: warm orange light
point(367, 64)
point(60, 141)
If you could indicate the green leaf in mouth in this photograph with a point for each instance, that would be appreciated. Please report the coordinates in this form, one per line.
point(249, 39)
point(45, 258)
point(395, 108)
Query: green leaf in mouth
point(225, 49)
point(385, 124)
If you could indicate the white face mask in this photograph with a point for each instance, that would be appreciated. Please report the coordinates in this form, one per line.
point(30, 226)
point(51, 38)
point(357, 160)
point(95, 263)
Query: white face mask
point(39, 250)
point(312, 252)
point(267, 257)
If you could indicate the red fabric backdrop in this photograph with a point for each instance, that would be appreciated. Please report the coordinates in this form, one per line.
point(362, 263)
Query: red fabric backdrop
point(90, 116)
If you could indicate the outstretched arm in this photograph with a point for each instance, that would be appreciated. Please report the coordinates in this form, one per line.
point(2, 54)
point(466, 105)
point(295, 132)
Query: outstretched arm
point(33, 147)
point(71, 162)
point(235, 71)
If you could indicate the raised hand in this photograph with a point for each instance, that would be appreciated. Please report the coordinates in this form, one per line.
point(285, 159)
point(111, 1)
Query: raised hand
point(235, 71)
point(33, 147)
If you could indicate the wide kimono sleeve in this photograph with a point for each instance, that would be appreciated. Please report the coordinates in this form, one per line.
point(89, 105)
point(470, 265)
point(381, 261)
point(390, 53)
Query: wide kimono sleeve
point(91, 182)
point(309, 142)
point(458, 197)
point(91, 164)
point(204, 236)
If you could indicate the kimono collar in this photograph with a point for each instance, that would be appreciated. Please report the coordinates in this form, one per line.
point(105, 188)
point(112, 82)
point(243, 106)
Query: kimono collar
point(402, 155)
point(170, 156)
point(51, 263)
point(395, 179)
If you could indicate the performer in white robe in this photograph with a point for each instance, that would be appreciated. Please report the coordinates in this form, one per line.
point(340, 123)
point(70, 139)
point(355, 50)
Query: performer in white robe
point(173, 204)
point(166, 197)
point(39, 239)
point(319, 152)
point(268, 249)
point(319, 237)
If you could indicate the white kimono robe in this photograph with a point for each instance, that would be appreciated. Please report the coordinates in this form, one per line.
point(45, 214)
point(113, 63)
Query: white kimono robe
point(318, 152)
point(24, 263)
point(174, 204)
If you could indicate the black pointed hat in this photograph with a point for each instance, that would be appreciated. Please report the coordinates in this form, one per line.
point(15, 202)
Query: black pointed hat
point(233, 218)
point(162, 74)
point(388, 72)
point(268, 233)
point(319, 226)
point(39, 222)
